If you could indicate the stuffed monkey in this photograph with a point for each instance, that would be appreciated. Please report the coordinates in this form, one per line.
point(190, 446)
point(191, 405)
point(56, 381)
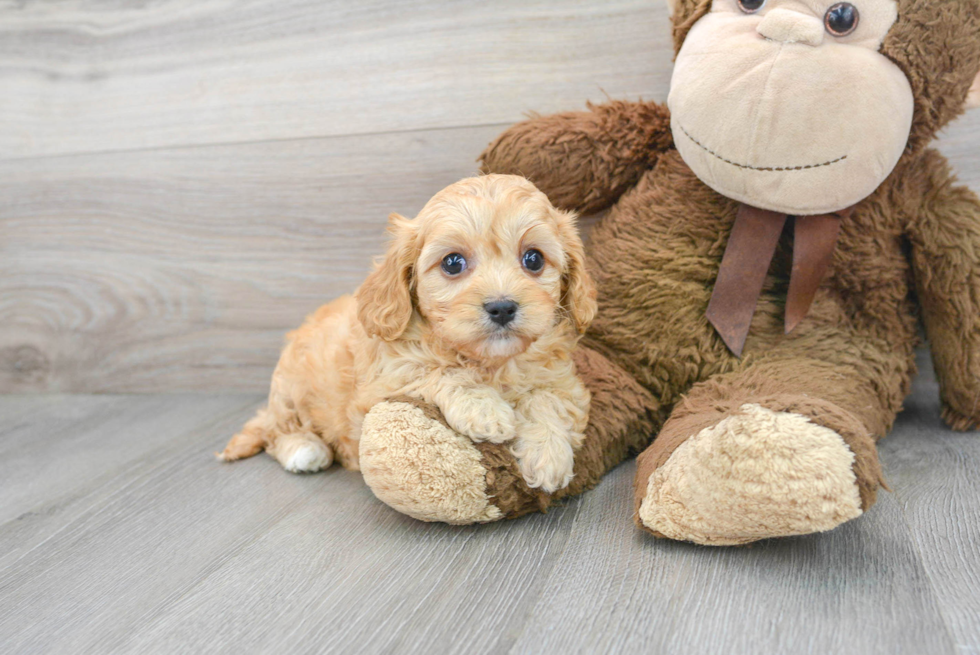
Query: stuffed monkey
point(773, 241)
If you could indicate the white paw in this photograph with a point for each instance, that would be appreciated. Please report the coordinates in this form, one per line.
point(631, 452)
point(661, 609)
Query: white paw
point(308, 457)
point(482, 417)
point(546, 464)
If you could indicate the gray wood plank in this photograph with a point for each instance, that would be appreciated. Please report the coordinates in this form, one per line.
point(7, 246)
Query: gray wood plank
point(182, 553)
point(182, 269)
point(68, 439)
point(858, 589)
point(166, 550)
point(141, 546)
point(58, 454)
point(934, 474)
point(92, 76)
point(356, 576)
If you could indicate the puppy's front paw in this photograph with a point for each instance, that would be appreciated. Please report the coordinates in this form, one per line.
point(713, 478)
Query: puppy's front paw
point(482, 417)
point(545, 463)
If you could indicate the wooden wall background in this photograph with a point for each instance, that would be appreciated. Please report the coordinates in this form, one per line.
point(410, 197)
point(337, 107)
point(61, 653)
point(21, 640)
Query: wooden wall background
point(181, 181)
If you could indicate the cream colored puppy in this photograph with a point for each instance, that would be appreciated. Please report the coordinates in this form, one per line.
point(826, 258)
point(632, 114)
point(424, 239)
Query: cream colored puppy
point(475, 308)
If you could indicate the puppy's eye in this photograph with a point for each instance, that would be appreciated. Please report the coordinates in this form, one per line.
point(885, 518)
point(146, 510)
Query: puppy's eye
point(533, 260)
point(751, 6)
point(841, 19)
point(453, 264)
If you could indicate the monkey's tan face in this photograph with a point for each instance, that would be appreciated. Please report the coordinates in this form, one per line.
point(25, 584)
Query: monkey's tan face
point(788, 104)
point(489, 276)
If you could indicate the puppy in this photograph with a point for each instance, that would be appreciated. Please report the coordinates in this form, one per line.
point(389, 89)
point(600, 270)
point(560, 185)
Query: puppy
point(475, 308)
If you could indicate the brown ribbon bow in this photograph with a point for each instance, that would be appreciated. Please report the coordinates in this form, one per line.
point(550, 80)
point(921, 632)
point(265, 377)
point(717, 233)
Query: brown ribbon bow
point(748, 254)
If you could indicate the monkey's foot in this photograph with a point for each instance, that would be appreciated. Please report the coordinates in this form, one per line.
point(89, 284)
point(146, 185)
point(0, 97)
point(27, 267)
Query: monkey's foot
point(756, 474)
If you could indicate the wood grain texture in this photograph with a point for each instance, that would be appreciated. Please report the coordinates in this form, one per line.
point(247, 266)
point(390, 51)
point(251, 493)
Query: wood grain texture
point(935, 474)
point(84, 437)
point(182, 553)
point(61, 455)
point(91, 76)
point(858, 589)
point(182, 269)
point(153, 546)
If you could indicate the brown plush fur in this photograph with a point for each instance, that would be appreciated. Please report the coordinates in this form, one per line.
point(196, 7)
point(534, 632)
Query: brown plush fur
point(910, 250)
point(631, 136)
point(942, 63)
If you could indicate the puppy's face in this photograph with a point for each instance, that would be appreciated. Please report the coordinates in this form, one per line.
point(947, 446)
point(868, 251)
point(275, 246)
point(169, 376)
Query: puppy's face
point(496, 266)
point(489, 275)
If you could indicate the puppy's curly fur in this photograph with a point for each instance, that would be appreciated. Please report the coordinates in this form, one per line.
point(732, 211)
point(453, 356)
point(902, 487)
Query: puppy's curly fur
point(422, 329)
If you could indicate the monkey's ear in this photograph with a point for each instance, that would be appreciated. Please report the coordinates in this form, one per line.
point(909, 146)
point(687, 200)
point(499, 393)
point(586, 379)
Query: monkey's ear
point(973, 96)
point(384, 300)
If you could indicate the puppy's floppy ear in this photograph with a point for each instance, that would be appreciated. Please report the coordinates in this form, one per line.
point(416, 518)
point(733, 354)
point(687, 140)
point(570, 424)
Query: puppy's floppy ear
point(384, 300)
point(578, 291)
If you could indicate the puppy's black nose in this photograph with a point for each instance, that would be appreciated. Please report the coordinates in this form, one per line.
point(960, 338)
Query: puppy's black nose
point(501, 312)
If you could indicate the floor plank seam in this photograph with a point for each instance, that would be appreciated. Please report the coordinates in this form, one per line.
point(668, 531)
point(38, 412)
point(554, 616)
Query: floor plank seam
point(251, 142)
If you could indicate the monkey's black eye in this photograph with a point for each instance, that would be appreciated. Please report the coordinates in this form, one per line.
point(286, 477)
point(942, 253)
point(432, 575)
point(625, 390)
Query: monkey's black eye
point(751, 6)
point(841, 19)
point(533, 260)
point(454, 264)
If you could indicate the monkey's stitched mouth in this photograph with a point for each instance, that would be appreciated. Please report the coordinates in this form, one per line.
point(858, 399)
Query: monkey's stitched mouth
point(757, 168)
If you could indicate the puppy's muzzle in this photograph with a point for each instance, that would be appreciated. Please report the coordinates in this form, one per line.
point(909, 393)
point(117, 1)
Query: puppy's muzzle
point(501, 312)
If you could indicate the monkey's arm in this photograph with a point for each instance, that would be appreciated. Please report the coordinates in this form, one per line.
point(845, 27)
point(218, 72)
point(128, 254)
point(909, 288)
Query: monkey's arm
point(946, 258)
point(584, 161)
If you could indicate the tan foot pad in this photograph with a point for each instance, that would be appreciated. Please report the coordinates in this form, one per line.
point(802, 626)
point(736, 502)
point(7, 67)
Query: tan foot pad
point(417, 465)
point(754, 475)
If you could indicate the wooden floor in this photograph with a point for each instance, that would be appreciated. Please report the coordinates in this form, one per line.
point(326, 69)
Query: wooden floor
point(120, 533)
